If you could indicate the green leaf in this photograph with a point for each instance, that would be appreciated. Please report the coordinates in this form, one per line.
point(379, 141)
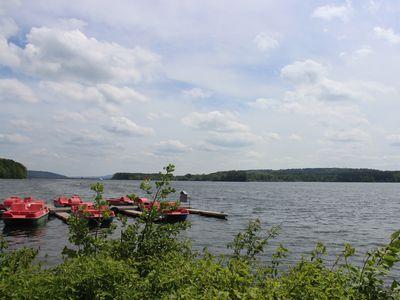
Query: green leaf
point(395, 235)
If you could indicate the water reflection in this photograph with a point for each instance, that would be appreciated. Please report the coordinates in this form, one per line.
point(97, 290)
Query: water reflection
point(25, 231)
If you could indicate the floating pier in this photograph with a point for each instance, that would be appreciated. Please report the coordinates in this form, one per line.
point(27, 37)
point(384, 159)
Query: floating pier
point(62, 213)
point(63, 216)
point(130, 212)
point(207, 213)
point(124, 207)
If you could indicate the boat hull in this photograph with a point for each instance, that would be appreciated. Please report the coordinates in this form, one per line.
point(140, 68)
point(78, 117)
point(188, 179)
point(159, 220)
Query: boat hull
point(122, 201)
point(26, 221)
point(174, 218)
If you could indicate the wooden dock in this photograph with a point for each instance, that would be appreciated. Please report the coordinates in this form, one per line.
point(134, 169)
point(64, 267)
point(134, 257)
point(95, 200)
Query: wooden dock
point(62, 213)
point(207, 213)
point(123, 207)
point(130, 212)
point(63, 216)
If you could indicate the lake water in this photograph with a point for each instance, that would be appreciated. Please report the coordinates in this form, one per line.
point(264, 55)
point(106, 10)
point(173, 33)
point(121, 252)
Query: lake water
point(362, 214)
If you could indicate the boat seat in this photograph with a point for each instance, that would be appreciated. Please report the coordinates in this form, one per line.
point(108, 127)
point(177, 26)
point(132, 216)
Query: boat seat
point(18, 207)
point(36, 206)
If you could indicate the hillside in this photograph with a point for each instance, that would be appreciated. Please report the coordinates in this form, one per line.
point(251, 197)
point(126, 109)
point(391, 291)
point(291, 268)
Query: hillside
point(44, 174)
point(306, 175)
point(12, 169)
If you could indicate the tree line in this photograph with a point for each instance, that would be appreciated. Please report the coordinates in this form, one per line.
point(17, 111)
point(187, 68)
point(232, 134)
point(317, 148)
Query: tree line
point(291, 175)
point(12, 169)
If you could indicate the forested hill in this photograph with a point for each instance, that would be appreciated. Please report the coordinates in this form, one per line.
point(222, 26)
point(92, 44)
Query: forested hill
point(12, 169)
point(44, 174)
point(308, 175)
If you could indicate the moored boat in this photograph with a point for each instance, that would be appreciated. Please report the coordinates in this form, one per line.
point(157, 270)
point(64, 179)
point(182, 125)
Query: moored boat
point(101, 215)
point(28, 211)
point(15, 199)
point(64, 201)
point(124, 200)
point(173, 215)
point(144, 203)
point(176, 215)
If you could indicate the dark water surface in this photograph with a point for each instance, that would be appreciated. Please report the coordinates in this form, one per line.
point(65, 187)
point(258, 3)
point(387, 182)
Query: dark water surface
point(363, 214)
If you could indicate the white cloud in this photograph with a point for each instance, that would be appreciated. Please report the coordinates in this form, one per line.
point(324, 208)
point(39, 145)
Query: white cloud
point(5, 6)
point(330, 12)
point(85, 138)
point(374, 6)
point(265, 42)
point(359, 53)
point(69, 116)
point(8, 54)
point(44, 152)
point(222, 131)
point(12, 90)
point(125, 126)
point(215, 121)
point(8, 28)
point(394, 139)
point(231, 139)
point(347, 136)
point(265, 103)
point(296, 137)
point(13, 138)
point(71, 24)
point(72, 91)
point(24, 124)
point(197, 93)
point(272, 136)
point(70, 55)
point(159, 115)
point(171, 147)
point(387, 34)
point(304, 72)
point(311, 82)
point(120, 94)
point(364, 51)
point(329, 114)
point(100, 93)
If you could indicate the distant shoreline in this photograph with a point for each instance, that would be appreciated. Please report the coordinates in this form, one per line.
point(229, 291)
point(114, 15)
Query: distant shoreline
point(286, 175)
point(265, 175)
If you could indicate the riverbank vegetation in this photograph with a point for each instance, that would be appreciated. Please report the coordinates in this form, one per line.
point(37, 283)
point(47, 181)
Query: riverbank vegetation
point(12, 169)
point(305, 175)
point(146, 260)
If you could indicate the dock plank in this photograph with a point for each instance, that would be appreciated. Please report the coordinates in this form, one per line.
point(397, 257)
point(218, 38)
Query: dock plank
point(123, 207)
point(130, 212)
point(207, 213)
point(63, 216)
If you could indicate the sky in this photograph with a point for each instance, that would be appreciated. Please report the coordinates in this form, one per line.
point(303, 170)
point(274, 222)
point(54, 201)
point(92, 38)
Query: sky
point(94, 87)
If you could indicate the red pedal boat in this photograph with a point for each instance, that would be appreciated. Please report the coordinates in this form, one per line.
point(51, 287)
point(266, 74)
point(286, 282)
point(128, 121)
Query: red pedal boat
point(27, 211)
point(124, 200)
point(101, 215)
point(64, 201)
point(178, 214)
point(14, 199)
